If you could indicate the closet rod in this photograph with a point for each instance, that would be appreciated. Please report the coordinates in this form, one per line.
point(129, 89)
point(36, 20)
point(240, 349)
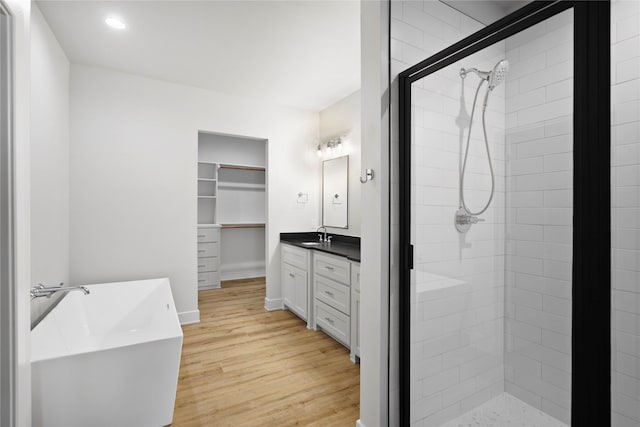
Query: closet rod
point(241, 167)
point(242, 225)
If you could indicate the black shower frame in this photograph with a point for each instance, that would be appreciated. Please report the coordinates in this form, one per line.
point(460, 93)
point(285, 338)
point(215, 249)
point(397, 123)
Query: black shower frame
point(591, 271)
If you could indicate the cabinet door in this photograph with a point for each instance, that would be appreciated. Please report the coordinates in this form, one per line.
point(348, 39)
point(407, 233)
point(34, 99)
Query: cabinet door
point(355, 323)
point(288, 285)
point(301, 293)
point(294, 281)
point(355, 276)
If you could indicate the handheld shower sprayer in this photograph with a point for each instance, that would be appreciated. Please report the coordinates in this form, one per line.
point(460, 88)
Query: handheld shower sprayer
point(498, 74)
point(495, 77)
point(464, 217)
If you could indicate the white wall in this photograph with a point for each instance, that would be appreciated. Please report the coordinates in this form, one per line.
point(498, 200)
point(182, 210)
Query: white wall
point(21, 12)
point(374, 293)
point(49, 160)
point(231, 149)
point(625, 198)
point(133, 176)
point(343, 119)
point(540, 215)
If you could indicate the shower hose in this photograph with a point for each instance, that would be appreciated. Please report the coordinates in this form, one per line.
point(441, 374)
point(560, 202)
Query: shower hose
point(466, 153)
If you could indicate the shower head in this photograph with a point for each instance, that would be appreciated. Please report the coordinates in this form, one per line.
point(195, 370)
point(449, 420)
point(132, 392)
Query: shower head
point(494, 77)
point(498, 74)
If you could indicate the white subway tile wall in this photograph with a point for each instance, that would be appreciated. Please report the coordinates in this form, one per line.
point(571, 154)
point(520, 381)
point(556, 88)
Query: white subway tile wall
point(625, 199)
point(539, 216)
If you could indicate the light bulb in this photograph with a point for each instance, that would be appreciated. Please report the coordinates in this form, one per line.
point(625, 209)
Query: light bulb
point(115, 23)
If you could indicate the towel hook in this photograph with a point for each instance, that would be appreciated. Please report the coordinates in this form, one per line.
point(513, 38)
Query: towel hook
point(368, 176)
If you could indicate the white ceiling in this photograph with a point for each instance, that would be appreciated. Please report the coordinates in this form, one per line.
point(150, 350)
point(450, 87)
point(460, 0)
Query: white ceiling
point(486, 11)
point(298, 53)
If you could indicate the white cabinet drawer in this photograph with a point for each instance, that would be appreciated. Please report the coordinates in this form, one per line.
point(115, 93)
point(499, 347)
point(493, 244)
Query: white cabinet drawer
point(209, 280)
point(355, 276)
point(335, 268)
point(208, 264)
point(295, 256)
point(208, 250)
point(333, 322)
point(333, 293)
point(208, 234)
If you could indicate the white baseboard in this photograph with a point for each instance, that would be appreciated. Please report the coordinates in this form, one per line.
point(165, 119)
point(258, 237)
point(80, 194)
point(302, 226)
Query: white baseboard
point(248, 273)
point(188, 317)
point(273, 304)
point(242, 270)
point(360, 424)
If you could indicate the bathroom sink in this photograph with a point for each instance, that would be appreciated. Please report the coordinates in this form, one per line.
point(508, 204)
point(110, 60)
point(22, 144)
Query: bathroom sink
point(311, 243)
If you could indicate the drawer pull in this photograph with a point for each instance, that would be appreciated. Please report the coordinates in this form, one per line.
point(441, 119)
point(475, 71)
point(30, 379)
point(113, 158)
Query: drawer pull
point(329, 293)
point(330, 320)
point(328, 268)
point(292, 275)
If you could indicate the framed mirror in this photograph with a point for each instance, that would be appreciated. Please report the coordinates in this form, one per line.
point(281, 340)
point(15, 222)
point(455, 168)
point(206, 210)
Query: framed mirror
point(335, 197)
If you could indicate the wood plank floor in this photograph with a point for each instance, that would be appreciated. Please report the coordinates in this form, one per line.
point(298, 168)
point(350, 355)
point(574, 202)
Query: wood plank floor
point(244, 366)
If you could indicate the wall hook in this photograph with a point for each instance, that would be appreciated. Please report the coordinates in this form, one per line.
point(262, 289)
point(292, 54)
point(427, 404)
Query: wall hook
point(368, 176)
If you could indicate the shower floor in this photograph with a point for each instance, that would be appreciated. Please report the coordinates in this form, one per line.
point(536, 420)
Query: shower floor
point(505, 411)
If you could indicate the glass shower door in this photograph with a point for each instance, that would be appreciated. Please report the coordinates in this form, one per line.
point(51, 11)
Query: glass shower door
point(489, 230)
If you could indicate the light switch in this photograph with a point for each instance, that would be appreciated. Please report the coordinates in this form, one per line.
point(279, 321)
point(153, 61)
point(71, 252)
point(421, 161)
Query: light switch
point(303, 198)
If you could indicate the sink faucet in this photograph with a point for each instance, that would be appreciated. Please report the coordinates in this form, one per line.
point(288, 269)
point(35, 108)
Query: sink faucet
point(321, 237)
point(41, 290)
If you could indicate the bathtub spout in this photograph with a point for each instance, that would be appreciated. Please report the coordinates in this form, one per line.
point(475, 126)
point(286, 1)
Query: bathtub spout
point(43, 291)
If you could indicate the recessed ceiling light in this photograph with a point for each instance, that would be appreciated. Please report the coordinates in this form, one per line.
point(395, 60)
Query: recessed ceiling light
point(115, 23)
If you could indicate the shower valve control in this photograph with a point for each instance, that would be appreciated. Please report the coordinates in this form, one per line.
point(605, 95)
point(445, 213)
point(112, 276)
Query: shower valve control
point(463, 220)
point(468, 219)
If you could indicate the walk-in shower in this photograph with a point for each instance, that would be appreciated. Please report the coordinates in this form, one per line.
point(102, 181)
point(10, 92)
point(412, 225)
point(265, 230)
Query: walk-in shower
point(498, 322)
point(464, 216)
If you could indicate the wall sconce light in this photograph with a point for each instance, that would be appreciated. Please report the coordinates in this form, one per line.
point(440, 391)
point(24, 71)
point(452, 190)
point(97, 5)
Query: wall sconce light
point(333, 146)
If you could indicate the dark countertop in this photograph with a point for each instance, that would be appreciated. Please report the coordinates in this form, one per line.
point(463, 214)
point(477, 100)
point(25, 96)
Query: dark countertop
point(340, 245)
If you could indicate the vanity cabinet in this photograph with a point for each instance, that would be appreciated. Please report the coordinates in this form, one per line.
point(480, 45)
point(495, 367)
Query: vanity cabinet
point(355, 312)
point(332, 290)
point(324, 289)
point(208, 256)
point(295, 275)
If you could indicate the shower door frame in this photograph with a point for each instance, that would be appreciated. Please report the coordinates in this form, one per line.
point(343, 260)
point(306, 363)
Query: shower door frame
point(591, 270)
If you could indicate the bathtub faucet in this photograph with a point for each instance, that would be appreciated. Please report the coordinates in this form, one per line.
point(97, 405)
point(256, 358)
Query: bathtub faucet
point(41, 290)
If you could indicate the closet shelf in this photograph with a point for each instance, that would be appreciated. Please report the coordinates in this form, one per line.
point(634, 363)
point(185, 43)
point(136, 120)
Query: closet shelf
point(242, 167)
point(240, 185)
point(207, 179)
point(244, 225)
point(206, 197)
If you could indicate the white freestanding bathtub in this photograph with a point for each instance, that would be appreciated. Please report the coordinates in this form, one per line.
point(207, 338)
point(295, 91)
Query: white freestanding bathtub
point(110, 358)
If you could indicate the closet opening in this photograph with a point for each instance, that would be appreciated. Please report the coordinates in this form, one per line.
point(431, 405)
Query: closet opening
point(232, 208)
